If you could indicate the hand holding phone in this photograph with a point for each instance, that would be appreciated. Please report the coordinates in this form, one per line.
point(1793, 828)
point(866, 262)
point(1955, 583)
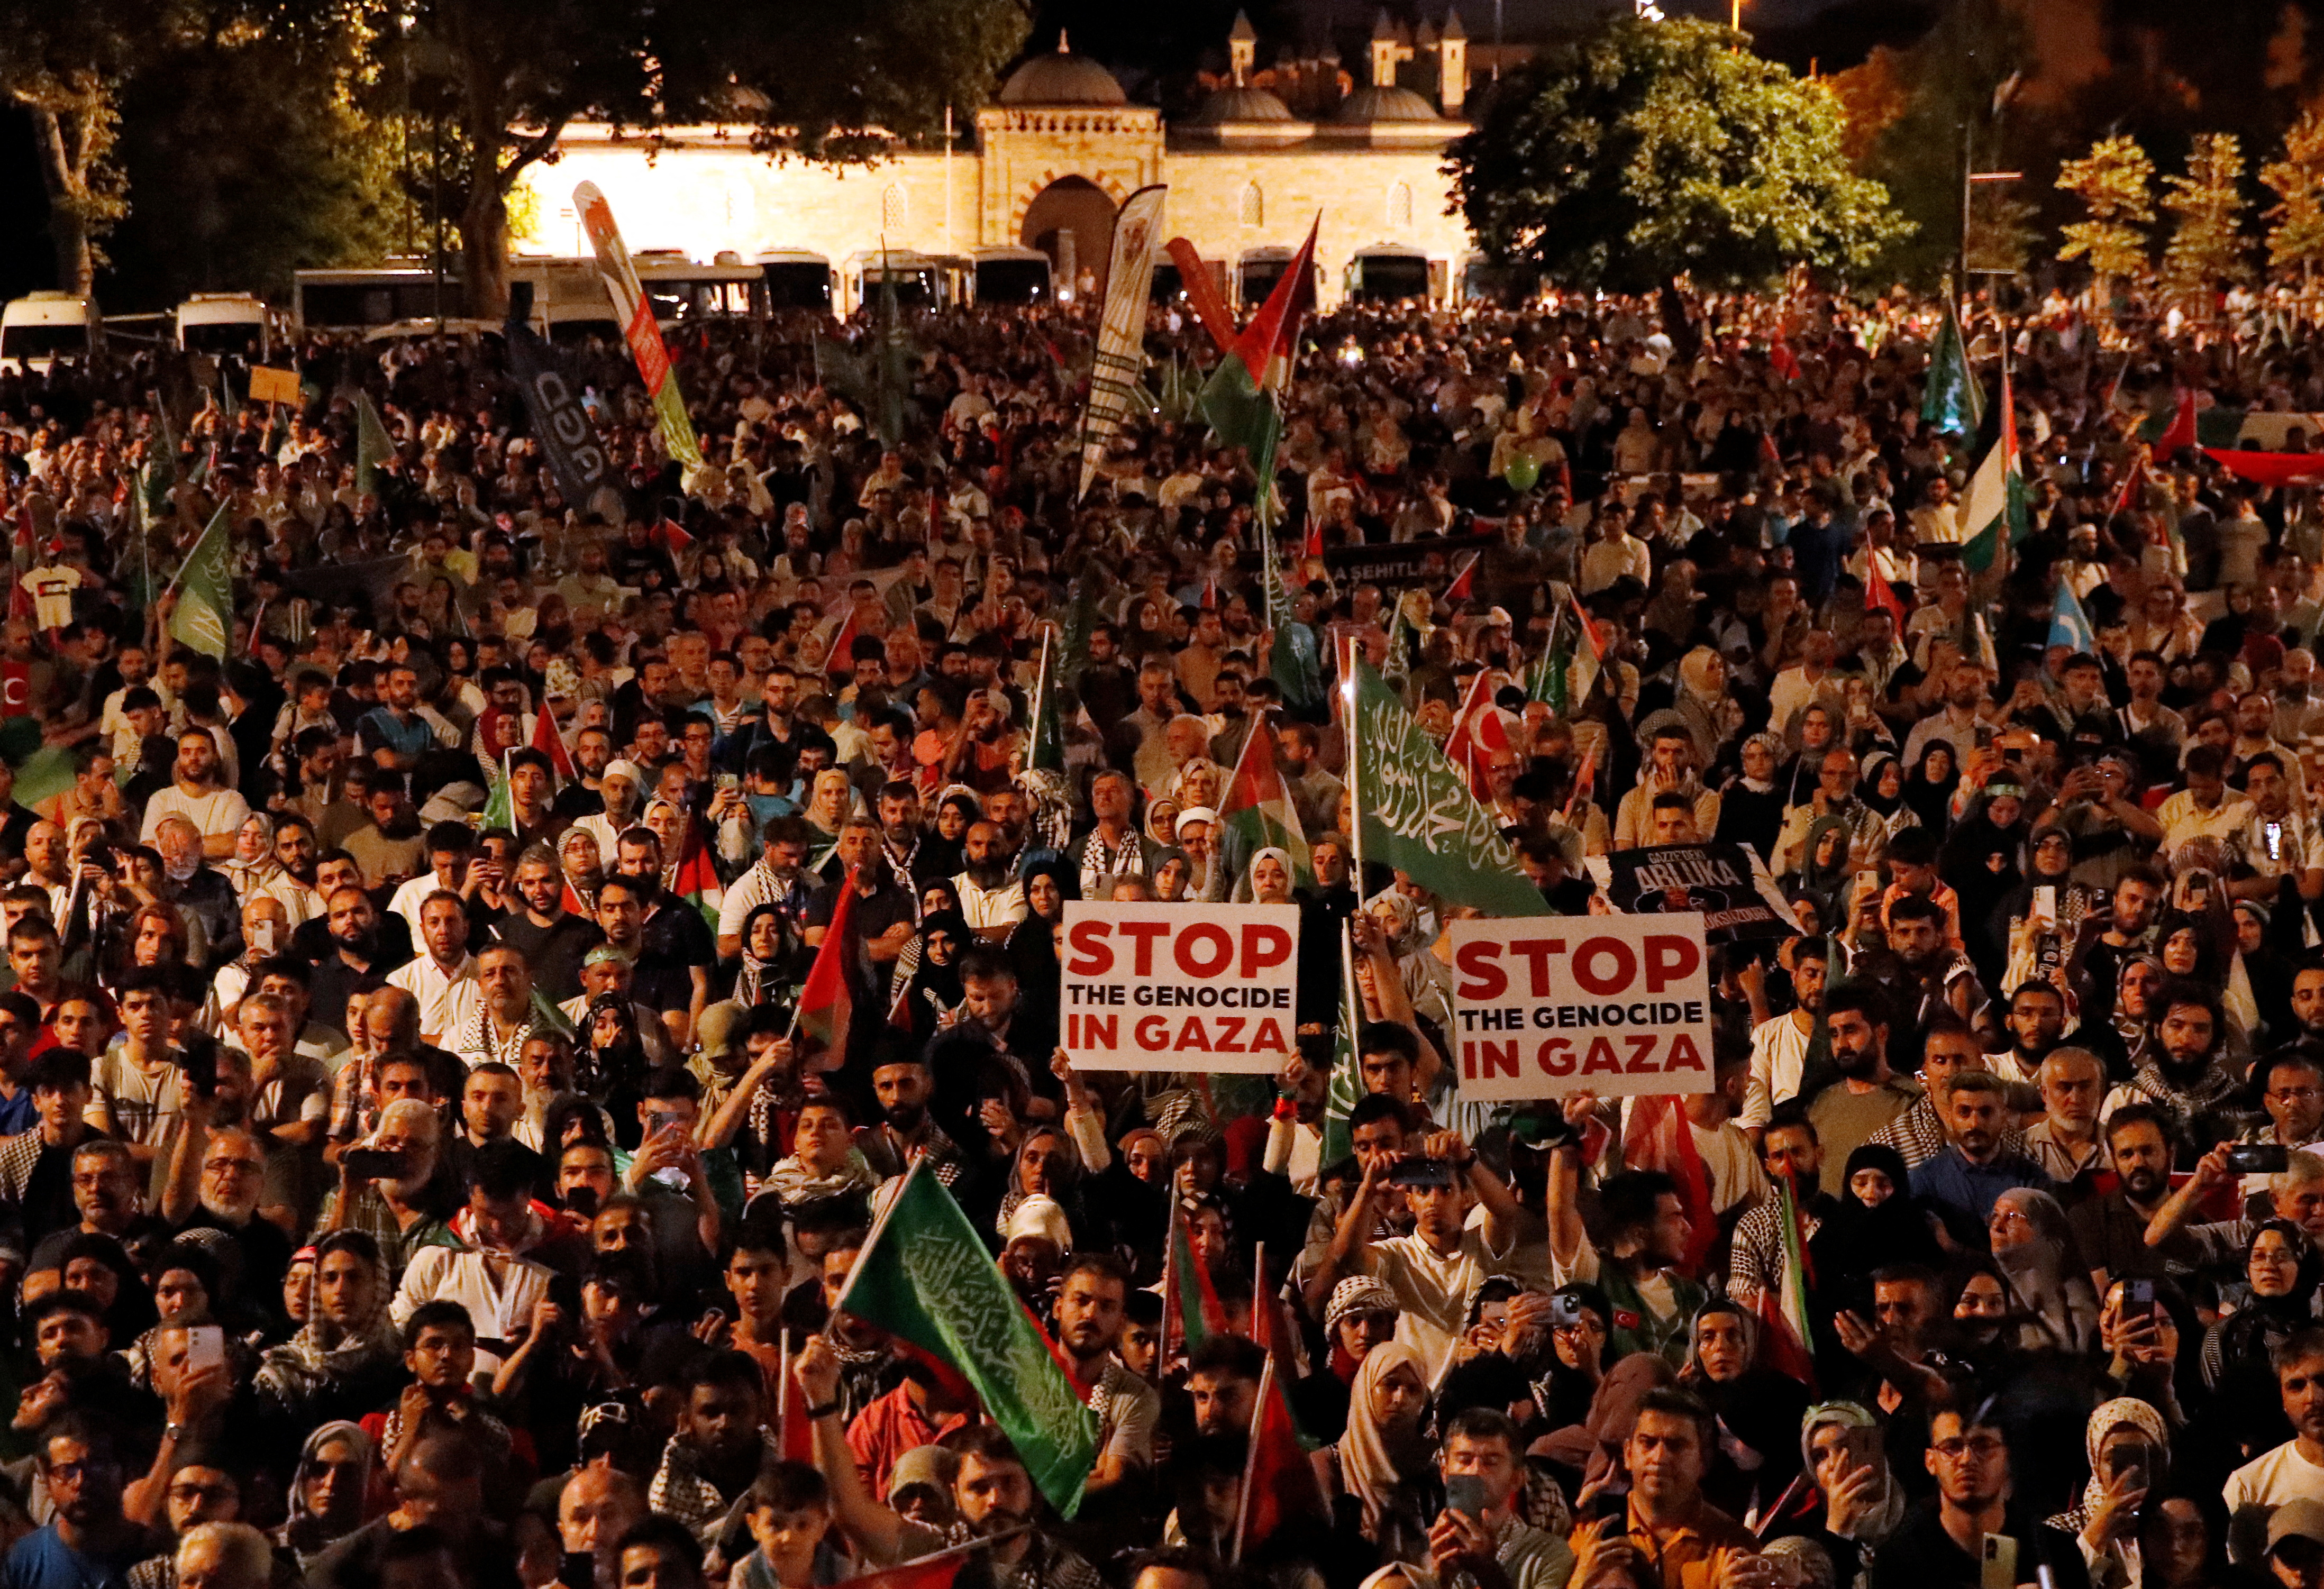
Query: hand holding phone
point(205, 1348)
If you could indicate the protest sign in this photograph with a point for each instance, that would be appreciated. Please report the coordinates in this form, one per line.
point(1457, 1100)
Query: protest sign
point(270, 385)
point(1545, 1007)
point(1149, 985)
point(1726, 884)
point(1403, 562)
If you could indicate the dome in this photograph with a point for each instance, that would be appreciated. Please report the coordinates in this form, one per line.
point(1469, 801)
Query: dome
point(1372, 103)
point(1062, 78)
point(1241, 105)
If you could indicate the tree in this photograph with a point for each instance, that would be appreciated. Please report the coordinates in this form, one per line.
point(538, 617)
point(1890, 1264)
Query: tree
point(2111, 181)
point(2297, 238)
point(1649, 151)
point(2206, 253)
point(813, 81)
point(64, 65)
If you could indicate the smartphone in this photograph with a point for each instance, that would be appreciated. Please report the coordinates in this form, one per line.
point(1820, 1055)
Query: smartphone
point(1465, 1493)
point(1998, 1565)
point(2045, 902)
point(372, 1164)
point(658, 1121)
point(2274, 831)
point(2259, 1158)
point(1564, 1309)
point(2128, 1463)
point(1422, 1173)
point(729, 782)
point(2198, 889)
point(2137, 1297)
point(205, 1347)
point(266, 941)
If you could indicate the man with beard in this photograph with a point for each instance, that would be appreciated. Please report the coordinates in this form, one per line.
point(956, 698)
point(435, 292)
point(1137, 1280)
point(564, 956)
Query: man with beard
point(1092, 1293)
point(1788, 1151)
point(1962, 1183)
point(2066, 1143)
point(1921, 974)
point(1667, 1535)
point(903, 1083)
point(2294, 1471)
point(1941, 1542)
point(111, 1198)
point(989, 898)
point(2112, 1229)
point(1779, 1046)
point(2292, 1079)
point(593, 753)
point(777, 726)
point(779, 877)
point(881, 921)
point(231, 1163)
point(1958, 723)
point(550, 939)
point(2185, 1074)
point(400, 1210)
point(87, 1543)
point(1647, 1233)
point(1230, 718)
point(355, 958)
point(196, 887)
point(1866, 1097)
point(719, 1447)
point(2037, 1024)
point(199, 794)
point(992, 1491)
point(444, 978)
point(992, 1013)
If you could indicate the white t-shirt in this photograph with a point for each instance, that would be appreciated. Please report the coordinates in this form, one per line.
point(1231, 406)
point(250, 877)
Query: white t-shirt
point(1779, 1049)
point(220, 810)
point(2257, 1488)
point(1433, 1292)
point(448, 1000)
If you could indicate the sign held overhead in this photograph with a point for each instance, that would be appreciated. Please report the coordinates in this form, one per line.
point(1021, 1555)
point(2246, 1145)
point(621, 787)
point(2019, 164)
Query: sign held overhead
point(1150, 985)
point(1608, 1005)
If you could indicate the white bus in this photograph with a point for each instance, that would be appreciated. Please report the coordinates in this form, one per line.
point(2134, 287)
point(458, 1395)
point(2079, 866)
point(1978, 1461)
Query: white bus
point(41, 327)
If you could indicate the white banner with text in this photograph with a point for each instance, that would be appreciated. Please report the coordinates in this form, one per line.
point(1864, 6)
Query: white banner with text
point(1546, 1006)
point(1149, 985)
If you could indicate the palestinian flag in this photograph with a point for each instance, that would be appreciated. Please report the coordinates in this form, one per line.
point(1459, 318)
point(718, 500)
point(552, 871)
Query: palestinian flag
point(1258, 809)
point(1589, 657)
point(670, 535)
point(1951, 397)
point(1237, 400)
point(1659, 1137)
point(1192, 1313)
point(1785, 1322)
point(839, 645)
point(927, 1277)
point(1996, 503)
point(1278, 1481)
point(1879, 595)
point(2181, 431)
point(827, 999)
point(934, 1571)
point(373, 446)
point(696, 880)
point(550, 743)
point(1463, 587)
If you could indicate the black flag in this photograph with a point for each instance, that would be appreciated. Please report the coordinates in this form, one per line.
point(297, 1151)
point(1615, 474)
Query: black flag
point(562, 426)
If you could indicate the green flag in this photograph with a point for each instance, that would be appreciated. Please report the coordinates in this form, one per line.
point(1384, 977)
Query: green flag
point(1243, 414)
point(203, 618)
point(1072, 632)
point(161, 463)
point(373, 445)
point(1949, 397)
point(927, 1276)
point(1550, 679)
point(500, 810)
point(1045, 742)
point(1346, 1083)
point(1416, 812)
point(1398, 666)
point(1295, 660)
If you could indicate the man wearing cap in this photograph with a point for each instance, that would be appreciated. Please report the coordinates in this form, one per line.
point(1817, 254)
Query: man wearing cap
point(2293, 1472)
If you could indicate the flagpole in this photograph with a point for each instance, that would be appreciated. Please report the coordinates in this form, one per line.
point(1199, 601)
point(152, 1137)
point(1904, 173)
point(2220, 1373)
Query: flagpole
point(1349, 728)
point(783, 1386)
point(1242, 1496)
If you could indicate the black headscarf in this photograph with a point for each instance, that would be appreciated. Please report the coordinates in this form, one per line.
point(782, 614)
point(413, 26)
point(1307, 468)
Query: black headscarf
point(1856, 1237)
point(1931, 801)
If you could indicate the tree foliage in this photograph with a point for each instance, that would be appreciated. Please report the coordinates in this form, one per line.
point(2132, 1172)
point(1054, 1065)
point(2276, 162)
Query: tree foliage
point(2206, 253)
point(814, 79)
point(1648, 151)
point(2297, 179)
point(64, 63)
point(2113, 183)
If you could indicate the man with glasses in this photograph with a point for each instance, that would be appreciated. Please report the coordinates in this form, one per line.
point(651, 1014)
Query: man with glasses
point(1940, 1543)
point(87, 1540)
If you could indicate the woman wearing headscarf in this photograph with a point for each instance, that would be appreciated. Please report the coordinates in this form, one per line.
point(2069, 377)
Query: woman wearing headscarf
point(2281, 1272)
point(2049, 1284)
point(1759, 1409)
point(1695, 703)
point(1881, 787)
point(1750, 805)
point(1031, 945)
point(1858, 1499)
point(944, 849)
point(328, 1491)
point(1875, 1221)
point(1387, 1488)
point(609, 1062)
point(1929, 785)
point(1824, 873)
point(2038, 927)
point(927, 973)
point(2125, 1039)
point(1980, 862)
point(98, 1266)
point(2129, 1452)
point(762, 971)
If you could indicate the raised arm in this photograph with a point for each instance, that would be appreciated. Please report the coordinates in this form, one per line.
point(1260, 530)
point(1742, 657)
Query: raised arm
point(877, 1528)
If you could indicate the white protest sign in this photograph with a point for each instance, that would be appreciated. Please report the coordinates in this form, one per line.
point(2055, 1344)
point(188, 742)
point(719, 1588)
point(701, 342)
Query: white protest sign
point(1544, 1006)
point(1149, 985)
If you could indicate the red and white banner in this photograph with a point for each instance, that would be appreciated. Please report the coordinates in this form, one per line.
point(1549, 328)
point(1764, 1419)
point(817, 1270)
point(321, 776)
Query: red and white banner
point(1149, 985)
point(1544, 1006)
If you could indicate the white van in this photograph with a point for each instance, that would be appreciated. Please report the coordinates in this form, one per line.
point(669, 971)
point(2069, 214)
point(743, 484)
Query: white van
point(41, 327)
point(220, 322)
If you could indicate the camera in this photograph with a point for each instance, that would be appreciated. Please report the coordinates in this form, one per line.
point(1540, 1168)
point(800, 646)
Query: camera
point(1564, 1309)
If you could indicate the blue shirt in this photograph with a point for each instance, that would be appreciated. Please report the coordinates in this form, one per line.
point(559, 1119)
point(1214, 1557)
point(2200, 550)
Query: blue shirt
point(379, 729)
point(17, 1114)
point(42, 1560)
point(1970, 1190)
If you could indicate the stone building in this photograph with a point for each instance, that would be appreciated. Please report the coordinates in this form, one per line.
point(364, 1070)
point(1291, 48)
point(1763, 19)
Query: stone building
point(1053, 157)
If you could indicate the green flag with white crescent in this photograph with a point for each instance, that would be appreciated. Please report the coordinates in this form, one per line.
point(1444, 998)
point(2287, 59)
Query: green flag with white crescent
point(203, 618)
point(1417, 813)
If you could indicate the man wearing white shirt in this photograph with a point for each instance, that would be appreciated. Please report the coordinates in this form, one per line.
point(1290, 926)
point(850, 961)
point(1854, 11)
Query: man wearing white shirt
point(449, 844)
point(216, 814)
point(1779, 1047)
point(1617, 552)
point(2294, 1471)
point(992, 901)
point(443, 979)
point(135, 666)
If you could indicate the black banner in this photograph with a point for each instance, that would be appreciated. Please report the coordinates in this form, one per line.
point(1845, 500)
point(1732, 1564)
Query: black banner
point(1726, 882)
point(1405, 563)
point(561, 425)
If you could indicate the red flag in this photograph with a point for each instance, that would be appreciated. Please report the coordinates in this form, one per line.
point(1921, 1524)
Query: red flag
point(550, 743)
point(1273, 330)
point(1313, 546)
point(2127, 498)
point(826, 1002)
point(793, 1427)
point(1879, 595)
point(2181, 430)
point(1781, 360)
point(1192, 1313)
point(670, 535)
point(1480, 728)
point(2264, 468)
point(1279, 1485)
point(1659, 1137)
point(899, 1008)
point(838, 661)
point(1464, 588)
point(929, 1572)
point(1203, 294)
point(1210, 602)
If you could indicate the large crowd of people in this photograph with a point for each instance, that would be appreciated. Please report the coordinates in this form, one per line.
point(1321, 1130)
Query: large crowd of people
point(417, 1177)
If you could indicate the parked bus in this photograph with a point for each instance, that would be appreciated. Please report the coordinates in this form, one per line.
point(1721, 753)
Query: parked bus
point(41, 327)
